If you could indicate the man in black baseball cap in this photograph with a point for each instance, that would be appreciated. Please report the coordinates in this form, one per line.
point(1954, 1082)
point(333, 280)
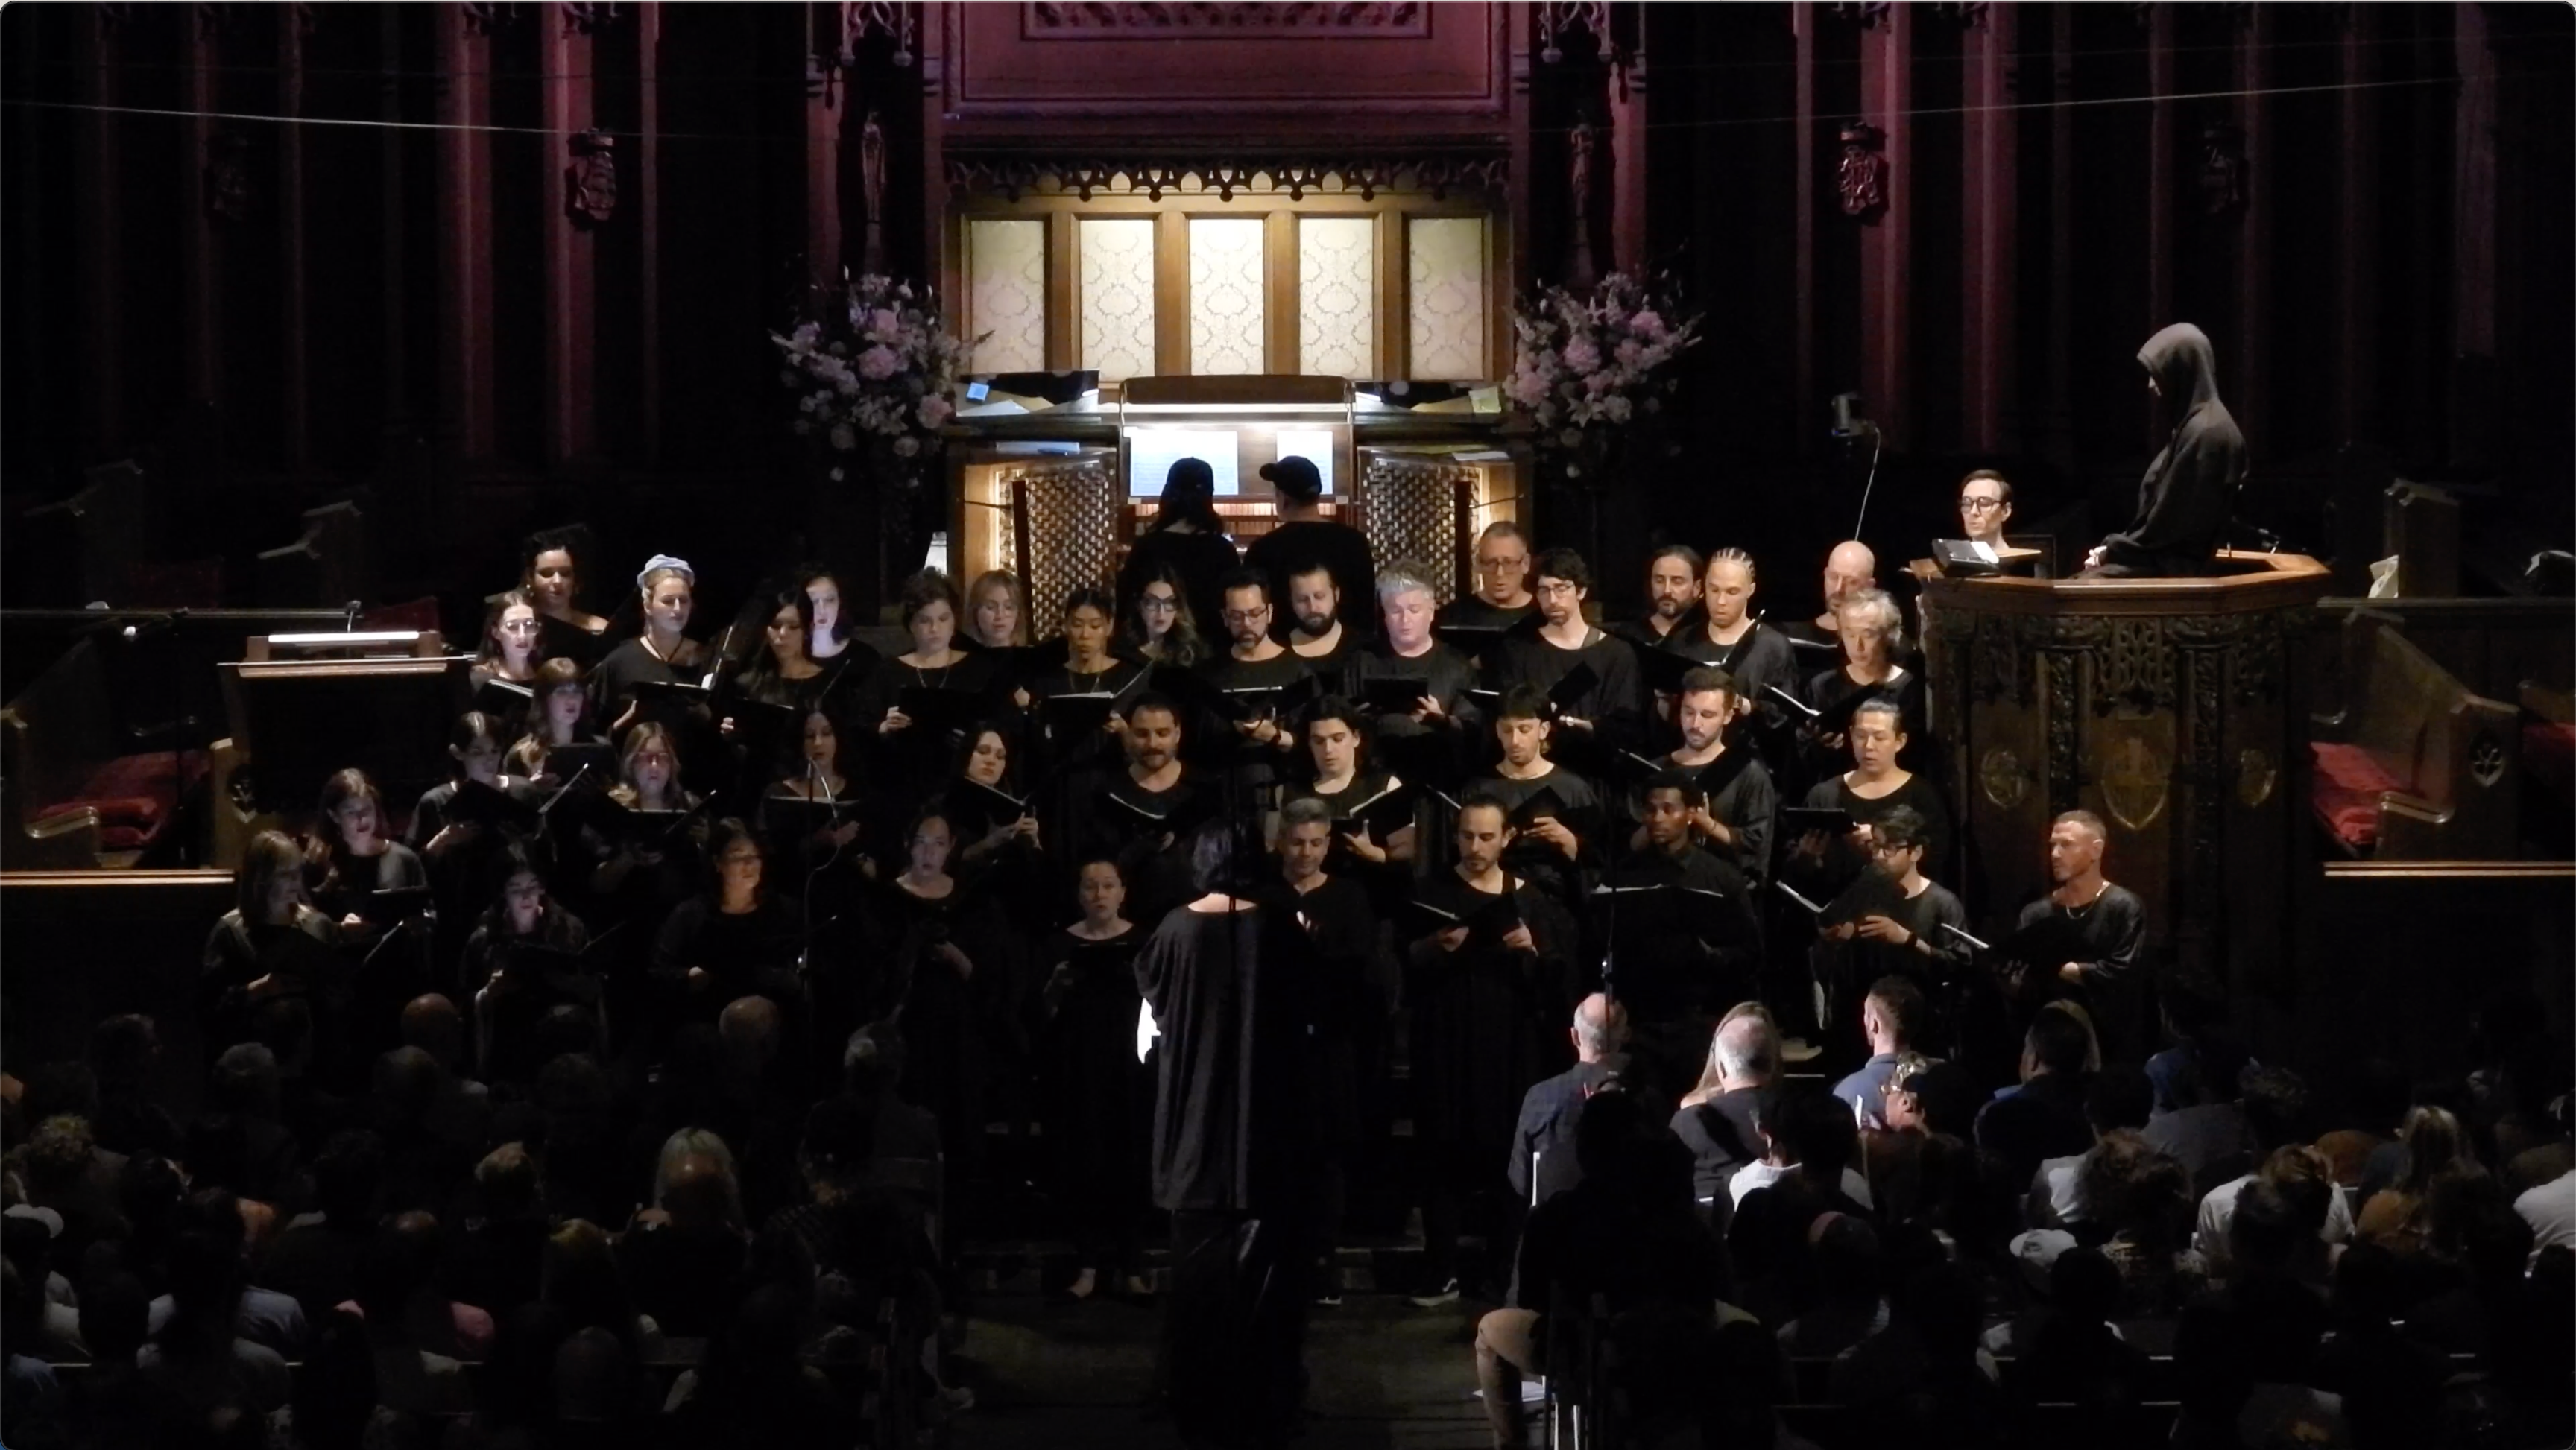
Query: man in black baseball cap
point(1304, 538)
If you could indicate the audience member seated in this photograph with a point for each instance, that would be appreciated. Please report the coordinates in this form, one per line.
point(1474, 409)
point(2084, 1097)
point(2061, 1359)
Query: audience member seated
point(1850, 1302)
point(199, 1357)
point(2244, 1355)
point(124, 1055)
point(2394, 1217)
point(2138, 1202)
point(238, 1143)
point(1715, 1120)
point(2071, 1352)
point(2205, 1129)
point(2390, 1384)
point(1923, 1379)
point(2116, 1101)
point(2042, 1117)
point(1809, 1141)
point(316, 1258)
point(501, 1262)
point(684, 1258)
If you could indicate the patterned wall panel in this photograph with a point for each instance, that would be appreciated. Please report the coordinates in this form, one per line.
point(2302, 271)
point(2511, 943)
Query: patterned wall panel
point(1412, 513)
point(1073, 523)
point(1225, 295)
point(1118, 296)
point(1445, 257)
point(1006, 294)
point(1337, 296)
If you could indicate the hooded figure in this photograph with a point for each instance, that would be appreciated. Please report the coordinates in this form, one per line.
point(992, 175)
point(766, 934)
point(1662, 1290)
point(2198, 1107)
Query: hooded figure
point(2183, 501)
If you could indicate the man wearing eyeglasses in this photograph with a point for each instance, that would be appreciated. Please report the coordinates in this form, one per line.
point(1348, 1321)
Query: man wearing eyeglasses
point(1985, 505)
point(1606, 714)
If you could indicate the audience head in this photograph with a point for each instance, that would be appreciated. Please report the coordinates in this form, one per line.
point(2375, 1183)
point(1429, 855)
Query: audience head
point(244, 1082)
point(1891, 1016)
point(2084, 1286)
point(838, 1141)
point(2275, 1105)
point(748, 1028)
point(508, 1183)
point(2432, 1141)
point(1502, 565)
point(698, 1191)
point(1299, 482)
point(1606, 1134)
point(2057, 1042)
point(1600, 1027)
point(1745, 1051)
point(872, 1064)
point(580, 1279)
point(122, 1052)
point(2134, 1191)
point(2119, 1096)
point(432, 1024)
point(2266, 1229)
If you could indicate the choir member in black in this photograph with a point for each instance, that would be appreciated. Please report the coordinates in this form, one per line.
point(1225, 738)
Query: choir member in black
point(1342, 1001)
point(558, 716)
point(1003, 849)
point(248, 959)
point(784, 671)
point(661, 653)
point(1161, 627)
point(1224, 977)
point(1672, 597)
point(1485, 1007)
point(2100, 927)
point(511, 643)
point(1139, 813)
point(1303, 536)
point(738, 939)
point(953, 976)
point(1099, 1098)
point(909, 760)
point(1900, 933)
point(830, 644)
point(1734, 820)
point(996, 615)
point(1320, 637)
point(1429, 739)
point(1254, 662)
point(1724, 632)
point(824, 856)
point(1089, 668)
point(1335, 746)
point(351, 857)
point(459, 853)
point(550, 576)
point(1872, 635)
point(1684, 951)
point(1502, 596)
point(1608, 716)
point(1875, 785)
point(1849, 568)
point(1186, 539)
point(1550, 850)
point(511, 989)
point(640, 872)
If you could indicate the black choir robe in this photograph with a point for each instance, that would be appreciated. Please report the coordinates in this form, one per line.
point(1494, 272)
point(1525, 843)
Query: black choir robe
point(957, 1029)
point(1543, 865)
point(1760, 659)
point(1615, 704)
point(1842, 865)
point(1680, 962)
point(1098, 1098)
point(1487, 1020)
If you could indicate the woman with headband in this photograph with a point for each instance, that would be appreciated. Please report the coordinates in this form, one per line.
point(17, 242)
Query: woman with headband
point(660, 654)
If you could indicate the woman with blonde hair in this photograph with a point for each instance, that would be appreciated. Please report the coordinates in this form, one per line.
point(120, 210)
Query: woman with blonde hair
point(2432, 1143)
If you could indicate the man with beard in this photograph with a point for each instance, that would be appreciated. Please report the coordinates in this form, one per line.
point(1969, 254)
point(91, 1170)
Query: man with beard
point(1253, 662)
point(1607, 713)
point(1138, 812)
point(1328, 646)
point(1344, 1007)
point(1226, 979)
point(2097, 927)
point(1672, 591)
point(1677, 934)
point(1502, 595)
point(1734, 820)
point(1725, 633)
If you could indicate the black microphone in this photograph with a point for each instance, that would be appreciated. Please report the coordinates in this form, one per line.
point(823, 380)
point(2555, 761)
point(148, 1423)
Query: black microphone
point(349, 615)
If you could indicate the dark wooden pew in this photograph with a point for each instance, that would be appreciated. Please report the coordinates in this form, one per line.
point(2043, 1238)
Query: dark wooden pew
point(2410, 764)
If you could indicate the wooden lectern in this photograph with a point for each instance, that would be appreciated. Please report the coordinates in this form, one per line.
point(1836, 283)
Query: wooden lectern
point(2161, 705)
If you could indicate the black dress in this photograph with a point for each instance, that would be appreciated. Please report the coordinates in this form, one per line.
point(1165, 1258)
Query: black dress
point(1098, 1101)
point(745, 954)
point(951, 1024)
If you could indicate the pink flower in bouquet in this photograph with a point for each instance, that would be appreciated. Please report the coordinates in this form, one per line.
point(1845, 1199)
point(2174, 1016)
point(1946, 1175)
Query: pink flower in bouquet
point(1647, 324)
point(883, 325)
point(933, 411)
point(879, 363)
point(1629, 353)
point(1581, 356)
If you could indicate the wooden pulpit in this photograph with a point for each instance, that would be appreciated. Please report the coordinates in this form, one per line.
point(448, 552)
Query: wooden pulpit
point(2163, 706)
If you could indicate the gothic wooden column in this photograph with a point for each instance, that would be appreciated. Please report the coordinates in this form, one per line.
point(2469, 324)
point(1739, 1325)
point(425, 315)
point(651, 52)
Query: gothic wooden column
point(197, 302)
point(565, 54)
point(826, 92)
point(2249, 377)
point(1628, 149)
point(1988, 351)
point(1521, 32)
point(95, 229)
point(2473, 241)
point(464, 65)
point(294, 383)
point(2060, 427)
point(646, 194)
point(1802, 207)
point(2357, 307)
point(934, 160)
point(2164, 200)
point(1887, 243)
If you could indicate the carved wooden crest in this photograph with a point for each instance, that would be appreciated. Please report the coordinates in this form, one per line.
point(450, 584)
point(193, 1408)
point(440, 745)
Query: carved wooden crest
point(1862, 178)
point(2005, 778)
point(591, 180)
point(2134, 783)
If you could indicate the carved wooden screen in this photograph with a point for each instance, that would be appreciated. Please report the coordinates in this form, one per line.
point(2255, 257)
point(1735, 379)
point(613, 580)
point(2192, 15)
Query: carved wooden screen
point(1411, 511)
point(1068, 525)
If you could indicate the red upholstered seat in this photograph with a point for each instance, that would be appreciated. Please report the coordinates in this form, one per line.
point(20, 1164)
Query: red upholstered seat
point(135, 797)
point(2349, 781)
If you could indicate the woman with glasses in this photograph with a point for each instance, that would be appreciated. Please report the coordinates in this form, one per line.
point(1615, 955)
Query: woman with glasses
point(1161, 626)
point(511, 642)
point(1186, 540)
point(740, 938)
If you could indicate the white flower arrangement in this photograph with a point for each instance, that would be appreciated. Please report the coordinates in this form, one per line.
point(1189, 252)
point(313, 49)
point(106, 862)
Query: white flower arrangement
point(872, 368)
point(1587, 366)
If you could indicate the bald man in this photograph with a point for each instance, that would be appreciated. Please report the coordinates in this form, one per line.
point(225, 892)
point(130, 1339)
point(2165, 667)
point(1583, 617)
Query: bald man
point(1719, 1130)
point(1549, 1108)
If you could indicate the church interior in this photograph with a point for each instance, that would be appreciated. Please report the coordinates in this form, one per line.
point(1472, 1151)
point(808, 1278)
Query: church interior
point(1975, 593)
